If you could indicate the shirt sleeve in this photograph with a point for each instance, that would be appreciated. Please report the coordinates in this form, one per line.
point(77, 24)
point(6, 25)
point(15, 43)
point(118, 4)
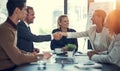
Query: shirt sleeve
point(17, 56)
point(112, 57)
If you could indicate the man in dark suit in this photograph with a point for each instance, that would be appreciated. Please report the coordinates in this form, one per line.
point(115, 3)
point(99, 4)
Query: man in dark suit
point(25, 37)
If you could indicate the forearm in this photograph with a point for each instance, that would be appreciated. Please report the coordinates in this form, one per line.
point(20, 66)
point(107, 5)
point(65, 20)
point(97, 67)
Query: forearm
point(76, 34)
point(101, 58)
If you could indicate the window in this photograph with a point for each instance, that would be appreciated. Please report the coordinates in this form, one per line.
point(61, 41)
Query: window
point(77, 12)
point(47, 12)
point(3, 11)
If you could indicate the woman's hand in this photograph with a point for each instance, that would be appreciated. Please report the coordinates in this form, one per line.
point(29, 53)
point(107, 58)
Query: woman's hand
point(91, 53)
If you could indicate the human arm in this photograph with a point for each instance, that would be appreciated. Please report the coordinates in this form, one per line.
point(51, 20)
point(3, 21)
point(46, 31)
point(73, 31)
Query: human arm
point(112, 57)
point(9, 49)
point(45, 55)
point(24, 33)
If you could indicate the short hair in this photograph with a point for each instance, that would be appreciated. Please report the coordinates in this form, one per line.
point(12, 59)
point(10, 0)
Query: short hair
point(12, 4)
point(29, 8)
point(60, 19)
point(101, 13)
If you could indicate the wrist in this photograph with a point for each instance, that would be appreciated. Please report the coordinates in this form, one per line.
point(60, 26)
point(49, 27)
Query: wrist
point(52, 37)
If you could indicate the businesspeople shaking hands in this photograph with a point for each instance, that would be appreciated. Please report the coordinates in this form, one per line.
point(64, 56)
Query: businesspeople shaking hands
point(59, 35)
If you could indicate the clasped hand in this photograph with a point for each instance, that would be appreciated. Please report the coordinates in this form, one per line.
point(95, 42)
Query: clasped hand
point(59, 35)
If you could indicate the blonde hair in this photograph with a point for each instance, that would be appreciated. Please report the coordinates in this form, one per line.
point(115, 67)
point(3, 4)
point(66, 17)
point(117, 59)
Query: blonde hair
point(60, 19)
point(101, 13)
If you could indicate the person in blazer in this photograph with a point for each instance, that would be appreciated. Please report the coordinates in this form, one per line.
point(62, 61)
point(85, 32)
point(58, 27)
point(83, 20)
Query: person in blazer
point(113, 54)
point(25, 37)
point(63, 26)
point(10, 55)
point(98, 34)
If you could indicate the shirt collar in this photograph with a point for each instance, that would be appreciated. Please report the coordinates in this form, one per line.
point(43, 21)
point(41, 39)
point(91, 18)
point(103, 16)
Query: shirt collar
point(12, 23)
point(26, 23)
point(61, 29)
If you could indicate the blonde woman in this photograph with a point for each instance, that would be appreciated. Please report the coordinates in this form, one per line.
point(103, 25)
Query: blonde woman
point(63, 26)
point(98, 34)
point(113, 53)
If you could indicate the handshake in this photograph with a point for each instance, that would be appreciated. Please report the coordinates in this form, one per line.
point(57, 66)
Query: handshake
point(59, 35)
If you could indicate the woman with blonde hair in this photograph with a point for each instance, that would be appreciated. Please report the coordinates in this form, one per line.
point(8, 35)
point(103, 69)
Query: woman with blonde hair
point(112, 55)
point(63, 26)
point(98, 34)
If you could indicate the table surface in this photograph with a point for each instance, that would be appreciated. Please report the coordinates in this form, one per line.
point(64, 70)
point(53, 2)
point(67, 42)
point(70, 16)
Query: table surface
point(55, 63)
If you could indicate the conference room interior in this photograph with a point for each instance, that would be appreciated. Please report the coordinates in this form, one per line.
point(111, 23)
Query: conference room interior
point(79, 13)
point(47, 12)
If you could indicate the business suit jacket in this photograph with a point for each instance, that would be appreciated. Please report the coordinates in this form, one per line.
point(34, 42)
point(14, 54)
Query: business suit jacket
point(26, 38)
point(10, 55)
point(104, 41)
point(113, 54)
point(63, 41)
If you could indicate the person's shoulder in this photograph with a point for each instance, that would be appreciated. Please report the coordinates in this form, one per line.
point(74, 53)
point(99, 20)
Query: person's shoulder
point(6, 28)
point(71, 30)
point(21, 23)
point(55, 30)
point(21, 26)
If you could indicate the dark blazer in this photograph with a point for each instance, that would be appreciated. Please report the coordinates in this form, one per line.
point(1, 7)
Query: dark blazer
point(63, 41)
point(26, 38)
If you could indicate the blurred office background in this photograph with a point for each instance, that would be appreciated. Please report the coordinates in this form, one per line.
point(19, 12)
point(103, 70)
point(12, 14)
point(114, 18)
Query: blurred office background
point(47, 12)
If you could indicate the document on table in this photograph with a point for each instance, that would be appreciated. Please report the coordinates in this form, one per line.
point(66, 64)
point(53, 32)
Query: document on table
point(88, 65)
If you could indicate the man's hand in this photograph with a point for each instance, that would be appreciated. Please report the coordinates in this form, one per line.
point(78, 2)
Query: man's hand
point(57, 35)
point(46, 55)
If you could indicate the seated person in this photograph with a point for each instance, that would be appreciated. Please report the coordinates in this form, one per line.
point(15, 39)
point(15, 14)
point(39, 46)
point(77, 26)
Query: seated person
point(98, 35)
point(63, 26)
point(10, 55)
point(112, 55)
point(25, 37)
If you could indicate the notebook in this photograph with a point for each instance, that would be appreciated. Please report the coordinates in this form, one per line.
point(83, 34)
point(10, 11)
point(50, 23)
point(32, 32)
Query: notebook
point(88, 65)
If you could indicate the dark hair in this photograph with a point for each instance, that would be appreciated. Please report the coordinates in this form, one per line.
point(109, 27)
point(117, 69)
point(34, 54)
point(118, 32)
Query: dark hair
point(29, 8)
point(12, 4)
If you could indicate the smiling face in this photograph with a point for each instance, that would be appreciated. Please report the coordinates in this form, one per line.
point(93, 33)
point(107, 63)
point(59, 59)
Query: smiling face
point(30, 16)
point(98, 17)
point(64, 23)
point(95, 18)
